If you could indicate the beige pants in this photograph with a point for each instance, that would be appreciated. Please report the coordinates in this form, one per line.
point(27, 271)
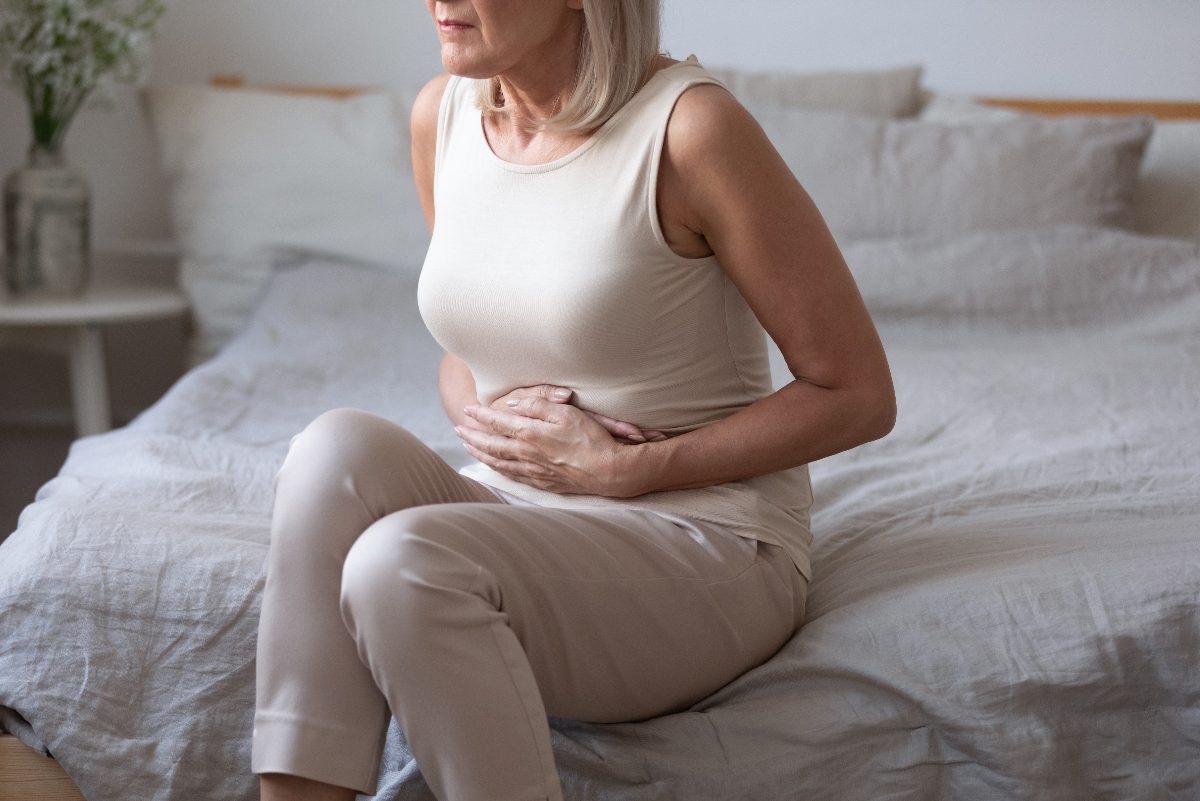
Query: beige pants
point(397, 586)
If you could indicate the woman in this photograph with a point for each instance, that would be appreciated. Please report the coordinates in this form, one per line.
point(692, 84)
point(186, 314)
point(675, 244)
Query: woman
point(612, 228)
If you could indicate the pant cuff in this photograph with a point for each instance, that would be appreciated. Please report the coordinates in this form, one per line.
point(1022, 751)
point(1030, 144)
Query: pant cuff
point(331, 754)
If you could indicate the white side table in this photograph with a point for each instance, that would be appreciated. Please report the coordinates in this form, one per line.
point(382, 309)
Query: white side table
point(73, 325)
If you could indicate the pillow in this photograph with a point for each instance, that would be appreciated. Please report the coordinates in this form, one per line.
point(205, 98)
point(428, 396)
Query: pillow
point(878, 178)
point(1020, 279)
point(1029, 277)
point(251, 170)
point(1166, 199)
point(953, 108)
point(876, 93)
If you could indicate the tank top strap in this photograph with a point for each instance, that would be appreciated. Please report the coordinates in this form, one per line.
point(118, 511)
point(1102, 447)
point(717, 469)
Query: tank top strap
point(677, 78)
point(450, 116)
point(690, 72)
point(644, 118)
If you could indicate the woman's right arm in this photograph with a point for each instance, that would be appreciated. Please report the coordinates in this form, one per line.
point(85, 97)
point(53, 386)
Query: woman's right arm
point(457, 388)
point(456, 385)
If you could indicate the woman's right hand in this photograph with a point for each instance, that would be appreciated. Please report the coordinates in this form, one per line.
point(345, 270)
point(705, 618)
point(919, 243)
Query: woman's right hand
point(621, 431)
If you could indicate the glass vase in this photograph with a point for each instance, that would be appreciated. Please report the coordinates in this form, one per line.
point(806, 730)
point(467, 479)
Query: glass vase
point(47, 226)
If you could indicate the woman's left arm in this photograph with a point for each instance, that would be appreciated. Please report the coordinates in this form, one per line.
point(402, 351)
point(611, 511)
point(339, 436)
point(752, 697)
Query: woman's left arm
point(734, 189)
point(740, 195)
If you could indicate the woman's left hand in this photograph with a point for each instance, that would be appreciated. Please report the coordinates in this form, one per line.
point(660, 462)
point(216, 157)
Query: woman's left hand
point(551, 446)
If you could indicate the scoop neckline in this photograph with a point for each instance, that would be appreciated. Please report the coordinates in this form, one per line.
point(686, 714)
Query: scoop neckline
point(596, 136)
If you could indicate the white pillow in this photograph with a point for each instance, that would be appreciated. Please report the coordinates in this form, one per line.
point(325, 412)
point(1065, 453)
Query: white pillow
point(877, 93)
point(250, 171)
point(879, 178)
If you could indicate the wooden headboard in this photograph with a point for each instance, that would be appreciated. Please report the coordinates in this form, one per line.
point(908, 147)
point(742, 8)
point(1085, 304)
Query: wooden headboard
point(233, 81)
point(1159, 109)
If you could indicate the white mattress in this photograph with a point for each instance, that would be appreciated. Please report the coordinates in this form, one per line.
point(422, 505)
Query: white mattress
point(1005, 595)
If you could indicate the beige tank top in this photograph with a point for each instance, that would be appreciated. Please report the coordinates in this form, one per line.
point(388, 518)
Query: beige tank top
point(559, 273)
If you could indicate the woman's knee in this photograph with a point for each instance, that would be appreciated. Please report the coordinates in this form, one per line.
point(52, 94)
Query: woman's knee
point(325, 491)
point(340, 444)
point(414, 566)
point(339, 439)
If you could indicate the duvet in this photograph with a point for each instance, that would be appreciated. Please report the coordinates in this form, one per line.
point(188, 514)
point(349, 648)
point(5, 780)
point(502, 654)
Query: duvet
point(1006, 600)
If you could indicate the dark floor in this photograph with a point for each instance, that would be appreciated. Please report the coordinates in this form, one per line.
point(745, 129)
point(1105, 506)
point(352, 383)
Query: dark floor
point(29, 457)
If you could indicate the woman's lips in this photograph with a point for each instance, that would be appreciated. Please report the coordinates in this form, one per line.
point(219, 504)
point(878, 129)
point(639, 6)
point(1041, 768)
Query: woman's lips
point(452, 25)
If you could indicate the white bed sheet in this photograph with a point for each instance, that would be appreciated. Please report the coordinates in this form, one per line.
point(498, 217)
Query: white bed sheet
point(1004, 603)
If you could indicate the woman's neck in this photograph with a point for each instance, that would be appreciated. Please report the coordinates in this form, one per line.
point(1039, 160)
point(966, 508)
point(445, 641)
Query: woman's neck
point(526, 103)
point(541, 86)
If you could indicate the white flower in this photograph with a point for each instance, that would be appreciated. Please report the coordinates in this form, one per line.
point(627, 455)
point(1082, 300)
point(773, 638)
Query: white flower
point(56, 52)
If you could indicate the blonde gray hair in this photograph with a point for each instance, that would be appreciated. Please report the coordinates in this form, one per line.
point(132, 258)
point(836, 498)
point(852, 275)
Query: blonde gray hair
point(620, 39)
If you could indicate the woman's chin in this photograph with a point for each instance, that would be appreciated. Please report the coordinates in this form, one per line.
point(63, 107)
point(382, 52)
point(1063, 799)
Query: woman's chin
point(456, 62)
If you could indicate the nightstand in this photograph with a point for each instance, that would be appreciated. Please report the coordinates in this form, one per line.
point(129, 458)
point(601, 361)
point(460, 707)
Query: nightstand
point(73, 324)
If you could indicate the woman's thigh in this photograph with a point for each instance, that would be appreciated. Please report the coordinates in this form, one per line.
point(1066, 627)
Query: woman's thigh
point(622, 614)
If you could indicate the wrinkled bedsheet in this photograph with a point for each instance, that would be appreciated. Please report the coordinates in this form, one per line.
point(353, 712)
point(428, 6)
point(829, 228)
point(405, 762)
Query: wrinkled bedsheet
point(1005, 603)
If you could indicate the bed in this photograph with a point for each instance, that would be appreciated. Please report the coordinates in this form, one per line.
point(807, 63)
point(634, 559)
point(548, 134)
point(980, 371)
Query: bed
point(1006, 599)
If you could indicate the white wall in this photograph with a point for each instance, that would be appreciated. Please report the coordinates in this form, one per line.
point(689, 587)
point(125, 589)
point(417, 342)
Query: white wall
point(1083, 48)
point(1066, 48)
point(301, 41)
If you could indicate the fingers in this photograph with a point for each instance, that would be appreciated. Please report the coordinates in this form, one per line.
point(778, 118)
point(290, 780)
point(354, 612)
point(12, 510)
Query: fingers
point(496, 446)
point(539, 409)
point(532, 407)
point(522, 471)
point(508, 455)
point(618, 428)
point(549, 392)
point(499, 421)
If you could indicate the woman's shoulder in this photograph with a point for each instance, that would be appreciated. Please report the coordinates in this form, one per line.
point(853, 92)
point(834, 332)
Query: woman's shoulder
point(423, 122)
point(707, 121)
point(711, 144)
point(423, 116)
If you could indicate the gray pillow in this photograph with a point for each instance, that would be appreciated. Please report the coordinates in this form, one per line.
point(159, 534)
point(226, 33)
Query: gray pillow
point(1049, 276)
point(878, 178)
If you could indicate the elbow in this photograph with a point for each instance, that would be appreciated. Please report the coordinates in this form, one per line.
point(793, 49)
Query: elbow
point(882, 399)
point(886, 417)
point(879, 413)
